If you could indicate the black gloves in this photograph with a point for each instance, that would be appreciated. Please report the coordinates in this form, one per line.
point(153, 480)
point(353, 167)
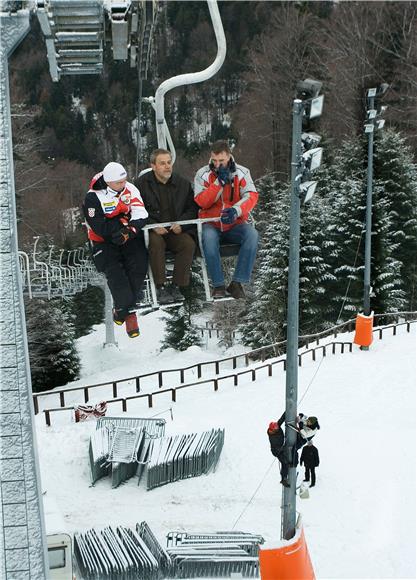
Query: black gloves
point(122, 236)
point(223, 175)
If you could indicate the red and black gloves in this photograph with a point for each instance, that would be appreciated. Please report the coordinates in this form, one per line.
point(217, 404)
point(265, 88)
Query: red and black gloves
point(123, 235)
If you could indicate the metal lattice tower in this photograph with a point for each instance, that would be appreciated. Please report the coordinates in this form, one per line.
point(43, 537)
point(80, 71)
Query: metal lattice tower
point(22, 548)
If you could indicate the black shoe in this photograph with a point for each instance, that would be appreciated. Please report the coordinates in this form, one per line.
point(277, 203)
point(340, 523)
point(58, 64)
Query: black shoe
point(219, 292)
point(312, 485)
point(119, 316)
point(285, 482)
point(235, 289)
point(176, 294)
point(164, 296)
point(306, 480)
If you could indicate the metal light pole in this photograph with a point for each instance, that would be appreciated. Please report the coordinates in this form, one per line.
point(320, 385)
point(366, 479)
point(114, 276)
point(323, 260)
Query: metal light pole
point(368, 227)
point(291, 394)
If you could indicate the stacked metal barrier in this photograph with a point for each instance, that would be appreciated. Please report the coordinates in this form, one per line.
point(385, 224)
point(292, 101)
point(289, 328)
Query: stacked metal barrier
point(184, 456)
point(114, 554)
point(123, 553)
point(214, 555)
point(124, 447)
point(120, 446)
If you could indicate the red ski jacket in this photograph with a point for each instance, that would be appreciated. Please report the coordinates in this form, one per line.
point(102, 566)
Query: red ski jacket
point(213, 197)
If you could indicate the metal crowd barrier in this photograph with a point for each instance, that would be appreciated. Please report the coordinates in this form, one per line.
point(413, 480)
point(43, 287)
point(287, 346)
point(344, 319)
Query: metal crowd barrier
point(159, 553)
point(120, 446)
point(122, 553)
point(183, 456)
point(219, 554)
point(114, 554)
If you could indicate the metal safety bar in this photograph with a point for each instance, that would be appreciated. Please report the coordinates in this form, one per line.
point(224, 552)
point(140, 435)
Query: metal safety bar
point(200, 258)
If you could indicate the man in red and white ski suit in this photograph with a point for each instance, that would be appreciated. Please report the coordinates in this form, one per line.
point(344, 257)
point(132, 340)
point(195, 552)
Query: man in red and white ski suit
point(115, 215)
point(226, 190)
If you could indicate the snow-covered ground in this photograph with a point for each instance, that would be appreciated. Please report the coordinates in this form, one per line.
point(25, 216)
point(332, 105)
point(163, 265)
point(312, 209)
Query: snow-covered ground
point(360, 518)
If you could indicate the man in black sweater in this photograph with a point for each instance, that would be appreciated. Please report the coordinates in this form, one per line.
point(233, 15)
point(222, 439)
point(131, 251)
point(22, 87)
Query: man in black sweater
point(310, 459)
point(168, 197)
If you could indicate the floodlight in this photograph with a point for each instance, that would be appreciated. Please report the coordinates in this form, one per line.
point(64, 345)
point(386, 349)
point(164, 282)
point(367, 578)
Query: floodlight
point(371, 93)
point(372, 113)
point(310, 140)
point(308, 88)
point(307, 190)
point(369, 127)
point(312, 158)
point(380, 123)
point(316, 107)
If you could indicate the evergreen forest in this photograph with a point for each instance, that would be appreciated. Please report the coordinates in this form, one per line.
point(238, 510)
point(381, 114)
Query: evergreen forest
point(65, 132)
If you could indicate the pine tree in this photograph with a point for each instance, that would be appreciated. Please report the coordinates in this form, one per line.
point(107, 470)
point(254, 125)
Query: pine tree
point(180, 330)
point(396, 199)
point(342, 184)
point(53, 357)
point(88, 309)
point(264, 321)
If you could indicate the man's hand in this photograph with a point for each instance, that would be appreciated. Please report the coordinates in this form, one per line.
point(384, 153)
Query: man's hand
point(223, 175)
point(160, 231)
point(125, 198)
point(175, 228)
point(122, 236)
point(228, 215)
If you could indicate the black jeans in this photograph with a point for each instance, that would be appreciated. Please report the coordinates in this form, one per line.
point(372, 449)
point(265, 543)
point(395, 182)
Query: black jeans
point(312, 471)
point(125, 268)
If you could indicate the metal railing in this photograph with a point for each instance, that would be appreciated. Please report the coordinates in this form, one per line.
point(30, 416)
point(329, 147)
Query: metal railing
point(163, 375)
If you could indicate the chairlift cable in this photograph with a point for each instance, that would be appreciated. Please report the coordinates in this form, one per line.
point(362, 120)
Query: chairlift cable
point(254, 494)
point(350, 280)
point(139, 114)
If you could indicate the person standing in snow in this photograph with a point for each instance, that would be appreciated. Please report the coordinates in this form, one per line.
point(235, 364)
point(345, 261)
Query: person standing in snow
point(223, 189)
point(310, 459)
point(115, 215)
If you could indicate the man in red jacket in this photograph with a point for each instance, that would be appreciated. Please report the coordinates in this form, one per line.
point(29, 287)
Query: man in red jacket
point(225, 190)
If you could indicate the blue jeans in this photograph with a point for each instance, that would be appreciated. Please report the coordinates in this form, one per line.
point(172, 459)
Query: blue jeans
point(243, 234)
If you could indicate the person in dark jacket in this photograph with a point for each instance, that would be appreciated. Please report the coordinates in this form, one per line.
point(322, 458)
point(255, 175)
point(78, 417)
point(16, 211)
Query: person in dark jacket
point(310, 460)
point(168, 197)
point(115, 215)
point(277, 441)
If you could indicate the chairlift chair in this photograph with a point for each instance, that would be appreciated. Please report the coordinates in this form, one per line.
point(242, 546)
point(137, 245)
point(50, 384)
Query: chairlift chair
point(226, 251)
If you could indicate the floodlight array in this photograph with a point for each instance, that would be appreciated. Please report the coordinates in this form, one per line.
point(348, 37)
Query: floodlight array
point(312, 106)
point(373, 113)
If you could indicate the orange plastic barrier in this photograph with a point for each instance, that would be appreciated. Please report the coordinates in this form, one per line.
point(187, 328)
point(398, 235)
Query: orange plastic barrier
point(363, 330)
point(290, 562)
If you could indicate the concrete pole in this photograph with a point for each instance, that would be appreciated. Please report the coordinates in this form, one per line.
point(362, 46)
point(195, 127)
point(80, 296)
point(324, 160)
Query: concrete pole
point(108, 317)
point(368, 228)
point(289, 504)
point(23, 552)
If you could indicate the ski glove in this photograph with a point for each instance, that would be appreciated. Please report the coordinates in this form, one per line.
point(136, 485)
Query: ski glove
point(228, 215)
point(122, 236)
point(223, 175)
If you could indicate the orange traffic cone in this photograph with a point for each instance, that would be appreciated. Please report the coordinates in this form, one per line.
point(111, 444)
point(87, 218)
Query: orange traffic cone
point(363, 329)
point(289, 562)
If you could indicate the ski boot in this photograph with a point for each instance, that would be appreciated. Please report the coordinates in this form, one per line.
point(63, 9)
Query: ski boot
point(132, 326)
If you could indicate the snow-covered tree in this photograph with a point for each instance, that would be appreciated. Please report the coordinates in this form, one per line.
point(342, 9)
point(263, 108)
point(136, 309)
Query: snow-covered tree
point(180, 330)
point(53, 356)
point(264, 321)
point(396, 200)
